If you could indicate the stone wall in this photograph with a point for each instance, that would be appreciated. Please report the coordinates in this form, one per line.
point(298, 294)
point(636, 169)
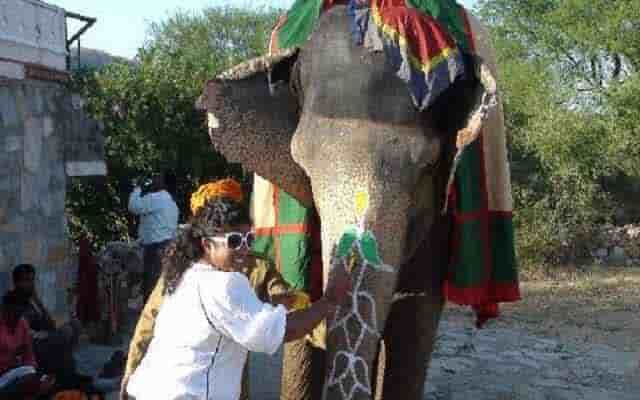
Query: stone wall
point(37, 120)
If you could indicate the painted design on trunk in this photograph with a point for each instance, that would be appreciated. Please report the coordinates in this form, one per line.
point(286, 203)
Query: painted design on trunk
point(357, 250)
point(366, 245)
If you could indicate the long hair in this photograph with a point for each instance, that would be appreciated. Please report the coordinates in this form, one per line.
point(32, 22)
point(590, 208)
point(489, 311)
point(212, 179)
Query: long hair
point(209, 220)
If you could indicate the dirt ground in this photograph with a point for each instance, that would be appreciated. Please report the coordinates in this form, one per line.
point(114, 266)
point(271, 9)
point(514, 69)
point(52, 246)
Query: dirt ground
point(597, 305)
point(574, 336)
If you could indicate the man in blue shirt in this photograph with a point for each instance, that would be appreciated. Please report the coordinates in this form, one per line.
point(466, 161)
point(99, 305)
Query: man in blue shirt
point(158, 223)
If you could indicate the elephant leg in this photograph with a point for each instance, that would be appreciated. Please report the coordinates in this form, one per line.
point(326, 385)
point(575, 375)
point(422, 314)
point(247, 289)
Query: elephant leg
point(302, 371)
point(407, 348)
point(411, 328)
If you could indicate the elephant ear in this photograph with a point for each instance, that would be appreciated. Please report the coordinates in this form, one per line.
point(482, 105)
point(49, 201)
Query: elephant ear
point(252, 116)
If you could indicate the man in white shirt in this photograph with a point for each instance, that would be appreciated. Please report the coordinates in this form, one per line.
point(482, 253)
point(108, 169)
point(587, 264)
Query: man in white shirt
point(158, 223)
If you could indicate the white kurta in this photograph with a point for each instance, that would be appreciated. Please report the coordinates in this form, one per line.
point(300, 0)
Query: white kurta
point(189, 359)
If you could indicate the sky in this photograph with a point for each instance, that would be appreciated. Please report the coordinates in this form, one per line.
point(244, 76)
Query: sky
point(122, 25)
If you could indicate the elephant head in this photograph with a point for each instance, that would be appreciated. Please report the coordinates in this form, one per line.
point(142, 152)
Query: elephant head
point(332, 125)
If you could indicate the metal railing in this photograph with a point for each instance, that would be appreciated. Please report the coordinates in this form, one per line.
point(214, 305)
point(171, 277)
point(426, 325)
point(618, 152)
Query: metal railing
point(89, 21)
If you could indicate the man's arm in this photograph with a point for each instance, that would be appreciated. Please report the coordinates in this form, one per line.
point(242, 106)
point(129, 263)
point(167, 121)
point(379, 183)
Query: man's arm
point(139, 204)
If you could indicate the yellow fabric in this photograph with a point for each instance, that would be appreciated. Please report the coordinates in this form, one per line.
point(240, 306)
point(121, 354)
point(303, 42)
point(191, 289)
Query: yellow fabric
point(494, 131)
point(223, 188)
point(263, 192)
point(144, 328)
point(301, 300)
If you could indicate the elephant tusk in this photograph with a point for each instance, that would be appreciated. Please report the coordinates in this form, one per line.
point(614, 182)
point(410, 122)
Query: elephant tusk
point(404, 295)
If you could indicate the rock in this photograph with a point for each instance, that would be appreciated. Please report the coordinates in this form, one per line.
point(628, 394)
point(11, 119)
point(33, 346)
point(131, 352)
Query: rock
point(633, 231)
point(602, 253)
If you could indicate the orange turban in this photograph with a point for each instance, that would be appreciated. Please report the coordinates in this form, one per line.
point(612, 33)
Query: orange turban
point(228, 188)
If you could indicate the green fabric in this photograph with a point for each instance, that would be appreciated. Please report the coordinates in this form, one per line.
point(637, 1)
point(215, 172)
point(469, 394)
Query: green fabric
point(264, 247)
point(468, 176)
point(301, 20)
point(449, 14)
point(290, 252)
point(295, 260)
point(468, 269)
point(503, 250)
point(290, 211)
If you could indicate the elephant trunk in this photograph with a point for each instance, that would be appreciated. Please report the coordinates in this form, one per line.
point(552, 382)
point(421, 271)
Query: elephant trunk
point(354, 334)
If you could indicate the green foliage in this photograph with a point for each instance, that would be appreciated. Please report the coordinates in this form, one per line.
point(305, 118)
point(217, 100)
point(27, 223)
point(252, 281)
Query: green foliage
point(148, 111)
point(569, 76)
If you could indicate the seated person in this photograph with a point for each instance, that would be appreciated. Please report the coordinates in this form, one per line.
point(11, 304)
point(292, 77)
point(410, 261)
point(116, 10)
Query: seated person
point(18, 377)
point(53, 346)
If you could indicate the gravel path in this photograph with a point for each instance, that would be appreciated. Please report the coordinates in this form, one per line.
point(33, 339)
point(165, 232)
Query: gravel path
point(491, 364)
point(570, 348)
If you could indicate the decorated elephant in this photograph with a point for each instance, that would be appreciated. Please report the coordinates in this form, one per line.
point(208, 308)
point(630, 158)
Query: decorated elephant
point(383, 116)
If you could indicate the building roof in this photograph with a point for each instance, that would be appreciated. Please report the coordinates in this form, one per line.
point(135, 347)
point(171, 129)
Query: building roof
point(33, 32)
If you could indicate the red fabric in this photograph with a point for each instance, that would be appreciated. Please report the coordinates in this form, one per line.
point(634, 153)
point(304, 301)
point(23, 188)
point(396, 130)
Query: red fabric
point(13, 343)
point(87, 307)
point(330, 3)
point(489, 308)
point(485, 297)
point(424, 35)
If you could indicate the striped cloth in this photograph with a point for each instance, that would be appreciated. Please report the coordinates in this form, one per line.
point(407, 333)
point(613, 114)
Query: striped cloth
point(427, 42)
point(287, 234)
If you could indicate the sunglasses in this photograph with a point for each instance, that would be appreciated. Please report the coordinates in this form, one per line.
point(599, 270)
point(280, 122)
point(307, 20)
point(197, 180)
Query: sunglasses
point(235, 240)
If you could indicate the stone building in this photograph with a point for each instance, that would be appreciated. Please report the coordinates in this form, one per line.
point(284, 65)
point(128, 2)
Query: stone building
point(45, 138)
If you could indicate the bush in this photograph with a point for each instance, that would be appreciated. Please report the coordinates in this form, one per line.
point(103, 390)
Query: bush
point(147, 107)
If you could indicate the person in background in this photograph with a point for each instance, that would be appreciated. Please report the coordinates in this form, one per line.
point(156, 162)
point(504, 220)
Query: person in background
point(158, 214)
point(18, 377)
point(53, 345)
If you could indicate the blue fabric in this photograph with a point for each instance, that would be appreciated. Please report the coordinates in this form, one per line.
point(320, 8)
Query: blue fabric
point(359, 12)
point(424, 88)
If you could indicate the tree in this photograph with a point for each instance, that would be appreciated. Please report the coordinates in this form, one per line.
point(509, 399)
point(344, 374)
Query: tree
point(147, 108)
point(569, 74)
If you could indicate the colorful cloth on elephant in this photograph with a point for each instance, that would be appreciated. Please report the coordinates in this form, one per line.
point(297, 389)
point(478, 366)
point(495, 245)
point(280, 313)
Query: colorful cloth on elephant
point(483, 267)
point(419, 37)
point(427, 41)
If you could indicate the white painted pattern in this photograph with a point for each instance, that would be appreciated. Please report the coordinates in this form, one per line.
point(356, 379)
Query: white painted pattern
point(339, 324)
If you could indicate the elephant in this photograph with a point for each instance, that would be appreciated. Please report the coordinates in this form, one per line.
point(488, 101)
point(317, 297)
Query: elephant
point(338, 131)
